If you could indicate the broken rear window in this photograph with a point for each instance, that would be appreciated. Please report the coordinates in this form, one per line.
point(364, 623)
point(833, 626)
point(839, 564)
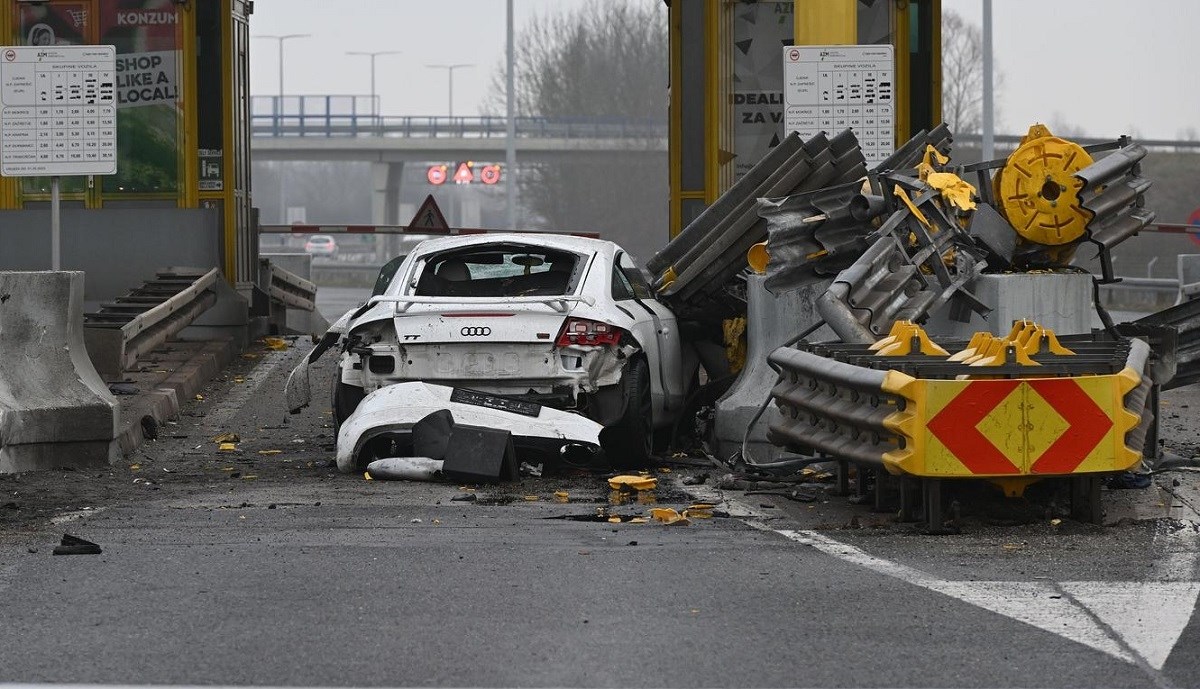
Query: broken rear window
point(499, 271)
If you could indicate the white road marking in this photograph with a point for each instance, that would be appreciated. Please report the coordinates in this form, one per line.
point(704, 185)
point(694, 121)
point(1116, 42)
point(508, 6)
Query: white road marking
point(1137, 622)
point(240, 396)
point(1149, 616)
point(1039, 604)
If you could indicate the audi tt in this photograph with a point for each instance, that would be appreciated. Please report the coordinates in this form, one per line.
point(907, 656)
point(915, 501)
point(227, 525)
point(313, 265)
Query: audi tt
point(563, 321)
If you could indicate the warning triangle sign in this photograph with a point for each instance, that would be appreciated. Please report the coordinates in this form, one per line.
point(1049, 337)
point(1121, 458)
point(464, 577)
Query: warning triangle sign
point(429, 219)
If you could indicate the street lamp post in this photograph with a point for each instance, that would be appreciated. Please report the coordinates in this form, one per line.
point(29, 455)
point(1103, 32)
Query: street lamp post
point(373, 54)
point(279, 119)
point(510, 125)
point(450, 71)
point(281, 39)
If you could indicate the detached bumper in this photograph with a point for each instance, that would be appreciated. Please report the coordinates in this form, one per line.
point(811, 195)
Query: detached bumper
point(394, 410)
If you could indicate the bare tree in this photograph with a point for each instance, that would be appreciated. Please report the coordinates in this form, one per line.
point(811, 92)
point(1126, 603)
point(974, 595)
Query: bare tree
point(962, 75)
point(608, 62)
point(1061, 127)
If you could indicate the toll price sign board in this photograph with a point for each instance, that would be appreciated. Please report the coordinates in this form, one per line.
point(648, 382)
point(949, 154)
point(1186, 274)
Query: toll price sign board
point(834, 87)
point(59, 110)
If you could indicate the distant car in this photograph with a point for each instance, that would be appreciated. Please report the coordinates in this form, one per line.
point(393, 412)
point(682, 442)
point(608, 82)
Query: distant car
point(321, 245)
point(563, 321)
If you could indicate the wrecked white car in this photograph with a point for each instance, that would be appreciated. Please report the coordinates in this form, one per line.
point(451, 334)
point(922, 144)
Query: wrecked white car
point(562, 321)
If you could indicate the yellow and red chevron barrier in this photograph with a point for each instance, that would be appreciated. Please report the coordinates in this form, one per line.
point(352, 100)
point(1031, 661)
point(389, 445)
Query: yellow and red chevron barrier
point(1024, 406)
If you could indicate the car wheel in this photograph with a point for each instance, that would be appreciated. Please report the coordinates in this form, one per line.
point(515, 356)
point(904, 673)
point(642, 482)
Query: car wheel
point(628, 443)
point(345, 401)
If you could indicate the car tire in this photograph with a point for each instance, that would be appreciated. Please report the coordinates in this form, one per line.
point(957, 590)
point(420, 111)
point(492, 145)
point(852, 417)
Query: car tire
point(629, 442)
point(345, 401)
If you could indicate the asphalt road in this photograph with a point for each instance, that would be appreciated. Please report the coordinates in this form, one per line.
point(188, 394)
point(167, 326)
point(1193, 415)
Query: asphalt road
point(265, 568)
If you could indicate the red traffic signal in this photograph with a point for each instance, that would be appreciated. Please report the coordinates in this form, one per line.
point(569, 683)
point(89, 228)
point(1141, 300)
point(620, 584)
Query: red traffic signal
point(464, 174)
point(490, 174)
point(436, 174)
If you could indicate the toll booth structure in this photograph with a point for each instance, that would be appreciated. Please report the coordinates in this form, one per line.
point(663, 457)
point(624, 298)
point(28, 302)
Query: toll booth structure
point(181, 195)
point(726, 101)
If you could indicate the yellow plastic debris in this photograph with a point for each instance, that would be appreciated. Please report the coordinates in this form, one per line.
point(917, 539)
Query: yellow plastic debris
point(531, 498)
point(955, 191)
point(638, 520)
point(668, 516)
point(227, 447)
point(367, 476)
point(199, 398)
point(249, 477)
point(614, 520)
point(227, 438)
point(239, 379)
point(633, 482)
point(277, 344)
point(701, 506)
point(269, 452)
point(912, 207)
point(135, 467)
point(562, 496)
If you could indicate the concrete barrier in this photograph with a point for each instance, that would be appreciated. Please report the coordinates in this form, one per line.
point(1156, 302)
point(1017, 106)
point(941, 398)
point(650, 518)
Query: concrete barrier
point(54, 409)
point(771, 320)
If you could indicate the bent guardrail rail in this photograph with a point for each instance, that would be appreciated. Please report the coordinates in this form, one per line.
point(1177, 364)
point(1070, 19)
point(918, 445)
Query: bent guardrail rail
point(133, 325)
point(290, 289)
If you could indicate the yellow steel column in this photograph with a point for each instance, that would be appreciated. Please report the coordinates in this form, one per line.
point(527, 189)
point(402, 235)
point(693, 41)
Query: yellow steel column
point(936, 91)
point(901, 42)
point(189, 152)
point(228, 204)
point(717, 108)
point(826, 22)
point(8, 185)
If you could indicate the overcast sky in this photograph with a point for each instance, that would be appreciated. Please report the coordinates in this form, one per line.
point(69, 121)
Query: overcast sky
point(1110, 66)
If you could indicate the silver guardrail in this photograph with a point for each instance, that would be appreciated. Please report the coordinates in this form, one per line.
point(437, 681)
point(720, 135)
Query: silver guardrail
point(138, 323)
point(290, 289)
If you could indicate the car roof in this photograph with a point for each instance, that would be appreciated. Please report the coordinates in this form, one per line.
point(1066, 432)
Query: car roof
point(320, 238)
point(541, 239)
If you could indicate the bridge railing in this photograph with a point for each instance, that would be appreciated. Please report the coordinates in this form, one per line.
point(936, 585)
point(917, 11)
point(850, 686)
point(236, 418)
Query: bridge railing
point(342, 116)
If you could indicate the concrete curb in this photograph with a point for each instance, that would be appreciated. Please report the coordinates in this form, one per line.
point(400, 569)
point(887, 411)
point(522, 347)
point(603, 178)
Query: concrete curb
point(195, 363)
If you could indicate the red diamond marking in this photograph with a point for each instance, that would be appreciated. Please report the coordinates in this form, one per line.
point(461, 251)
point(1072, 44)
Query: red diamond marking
point(955, 427)
point(1087, 426)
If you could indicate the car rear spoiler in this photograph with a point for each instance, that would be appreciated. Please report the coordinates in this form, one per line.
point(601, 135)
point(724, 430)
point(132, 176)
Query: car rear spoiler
point(558, 303)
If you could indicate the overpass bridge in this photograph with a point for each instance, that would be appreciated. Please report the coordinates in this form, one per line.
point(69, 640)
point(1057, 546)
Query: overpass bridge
point(349, 129)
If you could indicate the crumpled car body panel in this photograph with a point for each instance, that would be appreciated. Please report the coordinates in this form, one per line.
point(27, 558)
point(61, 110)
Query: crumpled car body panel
point(398, 407)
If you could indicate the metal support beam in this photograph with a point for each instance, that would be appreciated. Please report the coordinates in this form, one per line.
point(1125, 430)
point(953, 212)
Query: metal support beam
point(826, 22)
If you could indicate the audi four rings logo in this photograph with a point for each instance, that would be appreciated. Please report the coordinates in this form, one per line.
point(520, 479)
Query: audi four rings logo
point(475, 331)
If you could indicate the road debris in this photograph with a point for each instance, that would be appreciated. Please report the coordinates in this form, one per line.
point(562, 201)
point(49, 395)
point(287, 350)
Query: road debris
point(406, 469)
point(633, 482)
point(73, 545)
point(669, 516)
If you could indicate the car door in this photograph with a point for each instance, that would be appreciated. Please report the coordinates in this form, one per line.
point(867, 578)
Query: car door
point(665, 353)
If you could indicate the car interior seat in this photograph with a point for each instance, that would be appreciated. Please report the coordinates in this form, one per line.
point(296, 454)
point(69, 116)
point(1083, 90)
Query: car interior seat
point(454, 270)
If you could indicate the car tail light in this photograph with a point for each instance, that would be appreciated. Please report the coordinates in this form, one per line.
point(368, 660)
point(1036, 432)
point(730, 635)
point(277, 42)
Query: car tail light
point(582, 331)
